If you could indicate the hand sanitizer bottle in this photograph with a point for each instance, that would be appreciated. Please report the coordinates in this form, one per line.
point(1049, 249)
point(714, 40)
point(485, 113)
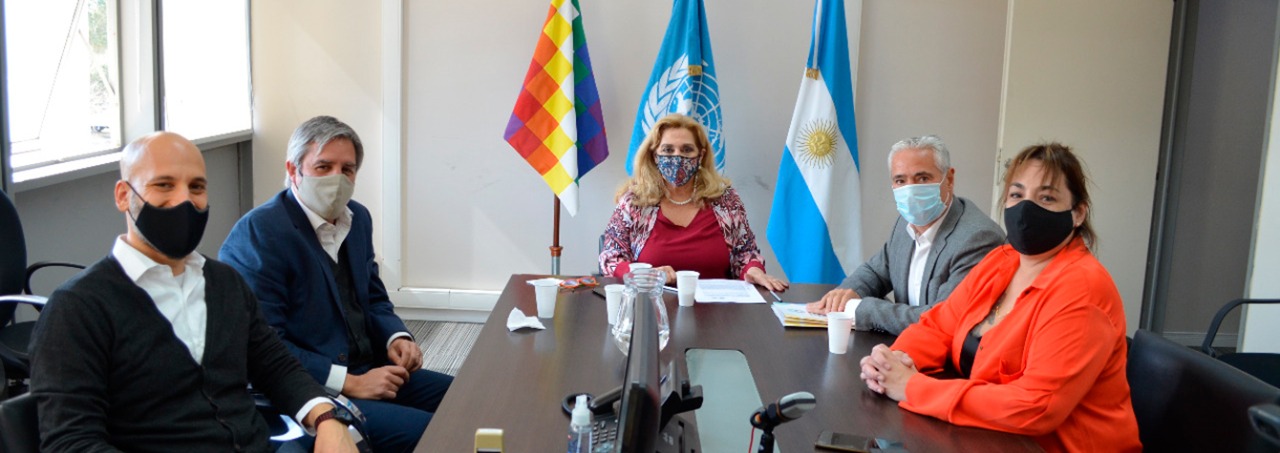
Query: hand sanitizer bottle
point(580, 427)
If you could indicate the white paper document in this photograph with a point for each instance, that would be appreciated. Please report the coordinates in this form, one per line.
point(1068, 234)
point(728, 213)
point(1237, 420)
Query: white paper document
point(727, 291)
point(797, 315)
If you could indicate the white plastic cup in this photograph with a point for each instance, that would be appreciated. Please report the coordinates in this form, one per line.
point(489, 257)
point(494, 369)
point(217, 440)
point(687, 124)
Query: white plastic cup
point(686, 287)
point(612, 299)
point(546, 291)
point(838, 326)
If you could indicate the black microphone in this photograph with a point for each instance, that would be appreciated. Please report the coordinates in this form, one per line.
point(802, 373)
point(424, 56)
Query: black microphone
point(787, 408)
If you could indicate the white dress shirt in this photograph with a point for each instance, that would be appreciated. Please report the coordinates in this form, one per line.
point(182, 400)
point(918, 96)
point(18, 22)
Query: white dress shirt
point(920, 256)
point(180, 299)
point(915, 273)
point(331, 236)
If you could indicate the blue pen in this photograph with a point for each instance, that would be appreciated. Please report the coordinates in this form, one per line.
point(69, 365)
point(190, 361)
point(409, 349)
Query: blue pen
point(775, 296)
point(670, 288)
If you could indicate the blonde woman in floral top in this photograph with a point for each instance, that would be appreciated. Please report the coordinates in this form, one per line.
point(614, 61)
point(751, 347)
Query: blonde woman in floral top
point(678, 213)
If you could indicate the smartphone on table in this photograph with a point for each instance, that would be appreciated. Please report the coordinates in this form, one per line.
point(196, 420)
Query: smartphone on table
point(844, 442)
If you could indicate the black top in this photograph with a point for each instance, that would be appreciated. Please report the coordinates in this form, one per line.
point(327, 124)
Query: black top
point(968, 352)
point(361, 347)
point(108, 372)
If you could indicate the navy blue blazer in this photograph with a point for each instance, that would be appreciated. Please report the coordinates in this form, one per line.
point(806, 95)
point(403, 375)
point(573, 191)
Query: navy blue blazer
point(276, 250)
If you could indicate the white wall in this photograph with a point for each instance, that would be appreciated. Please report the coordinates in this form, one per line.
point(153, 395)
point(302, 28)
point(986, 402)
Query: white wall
point(316, 57)
point(475, 212)
point(1101, 92)
point(1259, 330)
point(928, 67)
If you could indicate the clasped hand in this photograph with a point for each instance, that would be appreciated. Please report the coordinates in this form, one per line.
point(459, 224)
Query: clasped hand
point(383, 383)
point(405, 353)
point(887, 371)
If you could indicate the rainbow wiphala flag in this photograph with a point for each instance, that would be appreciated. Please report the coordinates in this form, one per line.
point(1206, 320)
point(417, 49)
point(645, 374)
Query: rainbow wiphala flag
point(556, 124)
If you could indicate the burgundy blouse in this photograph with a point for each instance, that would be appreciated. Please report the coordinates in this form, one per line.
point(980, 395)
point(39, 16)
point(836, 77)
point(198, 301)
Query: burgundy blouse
point(697, 247)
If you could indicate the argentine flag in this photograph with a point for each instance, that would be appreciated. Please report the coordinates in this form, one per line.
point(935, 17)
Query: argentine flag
point(815, 226)
point(683, 80)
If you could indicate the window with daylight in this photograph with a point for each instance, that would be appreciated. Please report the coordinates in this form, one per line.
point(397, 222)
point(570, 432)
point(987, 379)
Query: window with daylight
point(205, 61)
point(63, 80)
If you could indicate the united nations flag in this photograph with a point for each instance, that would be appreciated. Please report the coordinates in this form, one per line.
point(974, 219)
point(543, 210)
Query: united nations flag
point(683, 80)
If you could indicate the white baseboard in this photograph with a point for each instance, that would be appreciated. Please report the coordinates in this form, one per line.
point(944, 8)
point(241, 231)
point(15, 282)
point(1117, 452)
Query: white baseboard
point(444, 304)
point(442, 314)
point(1223, 340)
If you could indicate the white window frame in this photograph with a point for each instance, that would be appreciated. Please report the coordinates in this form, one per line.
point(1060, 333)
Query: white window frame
point(162, 96)
point(49, 165)
point(138, 25)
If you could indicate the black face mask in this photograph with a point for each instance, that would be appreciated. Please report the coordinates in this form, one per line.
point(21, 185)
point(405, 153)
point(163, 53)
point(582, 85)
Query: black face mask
point(1034, 230)
point(174, 231)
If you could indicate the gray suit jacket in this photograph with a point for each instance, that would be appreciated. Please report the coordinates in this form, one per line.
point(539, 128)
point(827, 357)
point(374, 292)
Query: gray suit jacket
point(964, 237)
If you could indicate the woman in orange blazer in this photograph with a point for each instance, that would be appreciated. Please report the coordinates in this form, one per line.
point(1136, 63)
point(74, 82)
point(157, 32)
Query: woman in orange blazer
point(1036, 330)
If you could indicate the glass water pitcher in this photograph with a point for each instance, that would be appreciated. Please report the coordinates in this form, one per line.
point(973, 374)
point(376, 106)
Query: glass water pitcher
point(643, 286)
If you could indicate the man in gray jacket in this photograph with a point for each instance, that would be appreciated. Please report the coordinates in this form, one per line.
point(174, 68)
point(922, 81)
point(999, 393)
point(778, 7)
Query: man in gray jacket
point(934, 243)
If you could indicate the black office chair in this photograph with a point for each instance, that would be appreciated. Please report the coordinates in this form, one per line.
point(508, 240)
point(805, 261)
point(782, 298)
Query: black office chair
point(15, 290)
point(19, 428)
point(1265, 366)
point(281, 428)
point(287, 436)
point(1266, 421)
point(1187, 401)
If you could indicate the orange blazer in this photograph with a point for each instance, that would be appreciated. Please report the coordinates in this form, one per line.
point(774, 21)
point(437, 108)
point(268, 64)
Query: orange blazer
point(1054, 368)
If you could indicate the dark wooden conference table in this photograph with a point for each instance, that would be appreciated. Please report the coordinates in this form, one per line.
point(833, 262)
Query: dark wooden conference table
point(516, 380)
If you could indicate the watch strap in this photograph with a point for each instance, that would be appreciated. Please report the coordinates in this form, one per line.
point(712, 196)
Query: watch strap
point(328, 415)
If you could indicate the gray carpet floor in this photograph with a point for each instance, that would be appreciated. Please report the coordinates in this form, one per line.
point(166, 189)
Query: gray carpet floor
point(445, 345)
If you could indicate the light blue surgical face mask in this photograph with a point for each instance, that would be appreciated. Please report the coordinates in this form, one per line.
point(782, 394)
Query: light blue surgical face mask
point(919, 204)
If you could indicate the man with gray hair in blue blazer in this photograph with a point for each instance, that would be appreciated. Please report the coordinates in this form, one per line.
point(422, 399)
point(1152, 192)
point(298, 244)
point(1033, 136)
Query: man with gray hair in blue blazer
point(935, 241)
point(308, 256)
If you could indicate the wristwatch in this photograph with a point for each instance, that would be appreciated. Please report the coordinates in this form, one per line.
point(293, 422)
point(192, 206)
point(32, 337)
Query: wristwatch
point(339, 413)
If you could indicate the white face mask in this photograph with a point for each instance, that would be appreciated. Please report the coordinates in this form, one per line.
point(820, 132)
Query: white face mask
point(327, 196)
point(919, 204)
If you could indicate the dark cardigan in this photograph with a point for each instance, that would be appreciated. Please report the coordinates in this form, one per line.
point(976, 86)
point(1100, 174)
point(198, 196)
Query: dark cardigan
point(109, 373)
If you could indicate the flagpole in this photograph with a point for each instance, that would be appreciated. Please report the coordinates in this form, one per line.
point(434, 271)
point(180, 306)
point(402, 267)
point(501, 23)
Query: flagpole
point(555, 240)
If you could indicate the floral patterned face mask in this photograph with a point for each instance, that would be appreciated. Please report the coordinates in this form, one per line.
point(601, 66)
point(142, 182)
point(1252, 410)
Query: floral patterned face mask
point(677, 170)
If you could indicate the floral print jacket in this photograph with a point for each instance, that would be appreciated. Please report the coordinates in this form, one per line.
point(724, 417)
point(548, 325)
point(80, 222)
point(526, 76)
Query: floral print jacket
point(630, 226)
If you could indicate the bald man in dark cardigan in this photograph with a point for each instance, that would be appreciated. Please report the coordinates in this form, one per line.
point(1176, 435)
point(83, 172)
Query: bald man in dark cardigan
point(152, 348)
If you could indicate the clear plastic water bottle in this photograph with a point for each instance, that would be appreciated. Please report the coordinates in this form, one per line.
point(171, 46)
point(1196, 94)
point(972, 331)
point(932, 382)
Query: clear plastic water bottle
point(580, 427)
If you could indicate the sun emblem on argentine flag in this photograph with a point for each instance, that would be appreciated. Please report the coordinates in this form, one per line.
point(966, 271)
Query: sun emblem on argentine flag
point(818, 141)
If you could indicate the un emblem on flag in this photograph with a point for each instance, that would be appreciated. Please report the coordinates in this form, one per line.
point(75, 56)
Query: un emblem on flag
point(691, 90)
point(706, 108)
point(818, 141)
